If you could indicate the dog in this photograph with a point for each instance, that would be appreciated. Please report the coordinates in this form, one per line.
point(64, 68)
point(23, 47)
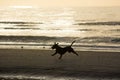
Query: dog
point(62, 51)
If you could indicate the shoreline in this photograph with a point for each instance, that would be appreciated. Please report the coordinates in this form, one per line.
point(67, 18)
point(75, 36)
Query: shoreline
point(48, 47)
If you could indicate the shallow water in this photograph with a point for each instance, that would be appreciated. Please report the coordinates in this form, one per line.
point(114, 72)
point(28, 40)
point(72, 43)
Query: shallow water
point(54, 74)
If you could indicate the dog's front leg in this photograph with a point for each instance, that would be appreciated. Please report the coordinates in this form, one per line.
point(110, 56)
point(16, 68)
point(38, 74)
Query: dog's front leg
point(60, 56)
point(54, 54)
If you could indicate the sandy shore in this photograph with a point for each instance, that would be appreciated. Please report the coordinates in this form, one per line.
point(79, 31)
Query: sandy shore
point(86, 61)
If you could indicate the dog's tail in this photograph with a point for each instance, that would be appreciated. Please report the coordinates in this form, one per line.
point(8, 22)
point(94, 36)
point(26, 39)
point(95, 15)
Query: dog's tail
point(72, 42)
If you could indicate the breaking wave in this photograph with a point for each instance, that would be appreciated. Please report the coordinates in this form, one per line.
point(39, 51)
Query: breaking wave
point(19, 22)
point(99, 23)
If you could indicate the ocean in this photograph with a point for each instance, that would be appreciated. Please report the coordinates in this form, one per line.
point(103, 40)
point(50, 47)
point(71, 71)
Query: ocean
point(93, 28)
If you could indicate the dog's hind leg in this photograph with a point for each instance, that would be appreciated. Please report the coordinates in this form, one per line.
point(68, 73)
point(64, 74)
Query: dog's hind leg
point(74, 53)
point(60, 56)
point(54, 54)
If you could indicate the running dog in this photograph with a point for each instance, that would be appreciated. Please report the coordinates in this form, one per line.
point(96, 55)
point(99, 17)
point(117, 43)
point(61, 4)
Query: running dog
point(62, 51)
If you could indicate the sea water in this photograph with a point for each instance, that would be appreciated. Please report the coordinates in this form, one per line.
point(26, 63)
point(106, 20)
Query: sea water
point(93, 28)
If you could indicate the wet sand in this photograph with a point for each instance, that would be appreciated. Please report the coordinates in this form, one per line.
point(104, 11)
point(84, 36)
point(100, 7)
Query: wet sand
point(31, 60)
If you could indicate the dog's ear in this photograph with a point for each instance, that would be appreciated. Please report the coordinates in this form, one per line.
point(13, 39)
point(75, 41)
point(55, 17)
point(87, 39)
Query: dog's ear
point(54, 42)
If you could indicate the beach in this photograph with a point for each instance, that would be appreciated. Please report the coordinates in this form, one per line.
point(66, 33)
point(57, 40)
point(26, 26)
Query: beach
point(36, 61)
point(26, 39)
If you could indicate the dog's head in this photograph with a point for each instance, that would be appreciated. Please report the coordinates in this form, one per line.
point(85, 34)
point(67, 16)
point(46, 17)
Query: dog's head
point(55, 45)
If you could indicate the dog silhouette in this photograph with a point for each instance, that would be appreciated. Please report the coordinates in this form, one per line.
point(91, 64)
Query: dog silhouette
point(62, 51)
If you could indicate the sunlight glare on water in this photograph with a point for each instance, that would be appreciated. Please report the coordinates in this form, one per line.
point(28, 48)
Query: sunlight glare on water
point(21, 7)
point(66, 23)
point(62, 22)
